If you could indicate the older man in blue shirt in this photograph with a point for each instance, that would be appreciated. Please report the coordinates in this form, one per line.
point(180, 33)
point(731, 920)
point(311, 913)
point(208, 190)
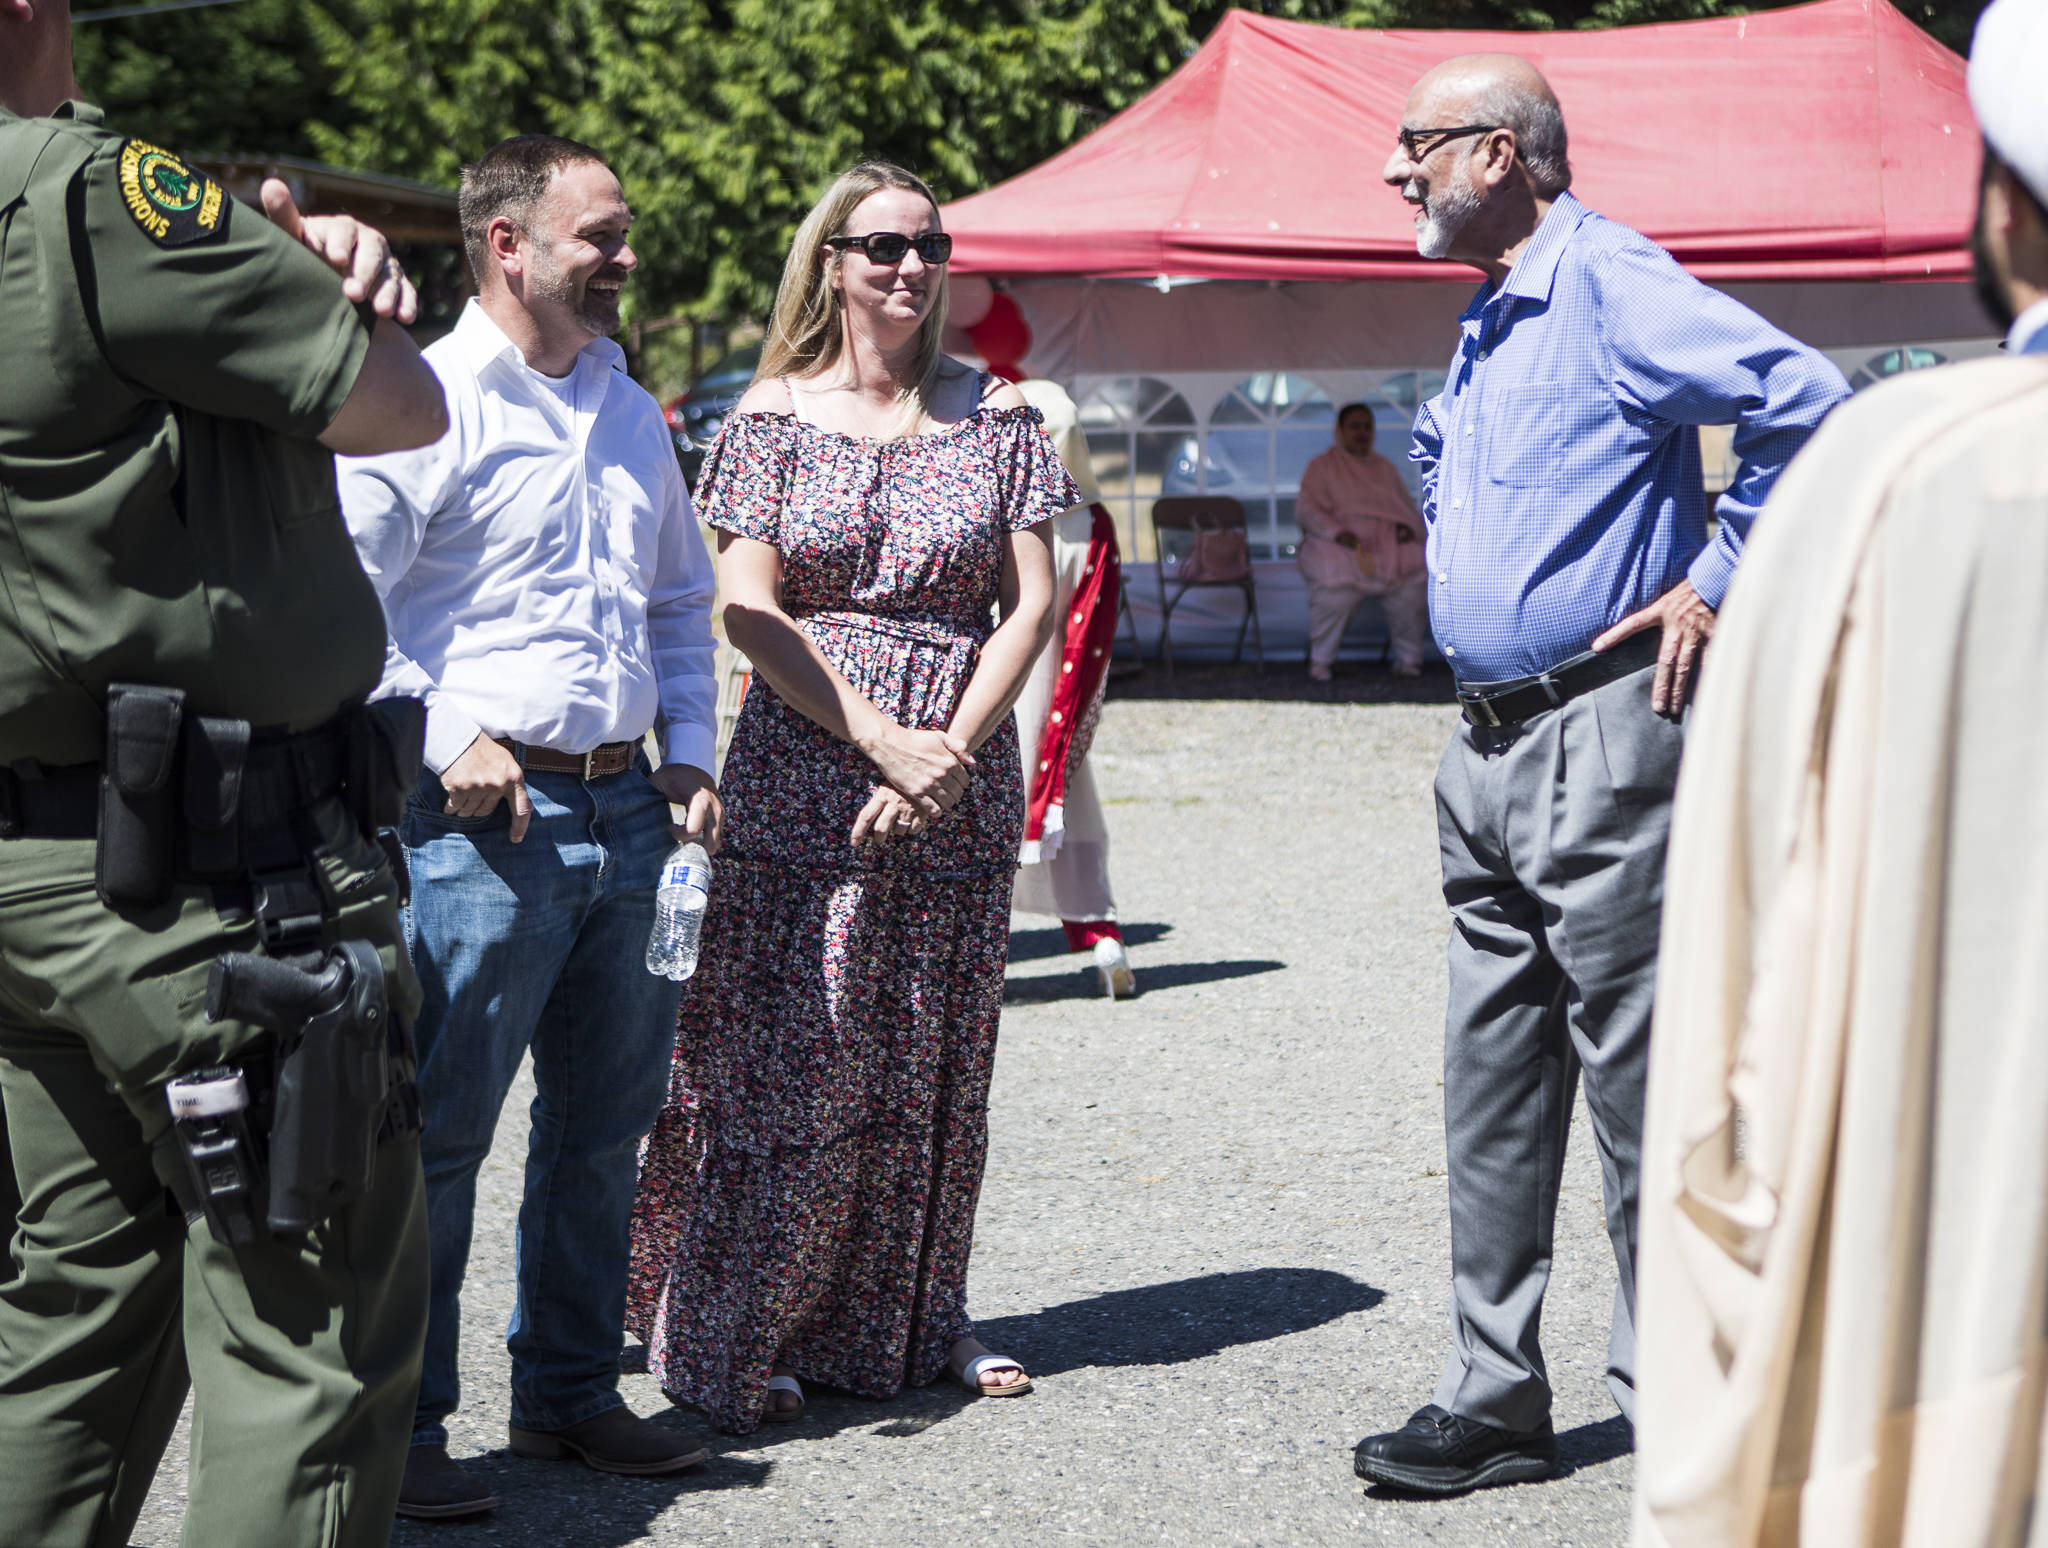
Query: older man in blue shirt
point(1573, 582)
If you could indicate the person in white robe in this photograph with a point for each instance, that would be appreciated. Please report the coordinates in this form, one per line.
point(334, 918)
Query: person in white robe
point(1063, 866)
point(1843, 1282)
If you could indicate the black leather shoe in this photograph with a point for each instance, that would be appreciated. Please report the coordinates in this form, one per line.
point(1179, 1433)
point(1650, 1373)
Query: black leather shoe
point(1436, 1452)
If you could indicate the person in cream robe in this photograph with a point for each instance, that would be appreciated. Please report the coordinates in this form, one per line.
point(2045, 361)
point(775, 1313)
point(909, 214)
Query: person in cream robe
point(1844, 1252)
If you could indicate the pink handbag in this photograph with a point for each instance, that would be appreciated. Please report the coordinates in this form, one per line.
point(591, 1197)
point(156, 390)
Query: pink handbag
point(1215, 554)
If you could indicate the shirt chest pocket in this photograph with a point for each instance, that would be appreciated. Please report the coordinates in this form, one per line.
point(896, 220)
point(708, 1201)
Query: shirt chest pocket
point(1524, 432)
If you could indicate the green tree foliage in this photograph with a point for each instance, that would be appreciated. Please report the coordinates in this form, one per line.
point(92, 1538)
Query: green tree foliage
point(725, 118)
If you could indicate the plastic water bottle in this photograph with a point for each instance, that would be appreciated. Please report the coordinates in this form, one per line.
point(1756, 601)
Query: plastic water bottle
point(679, 912)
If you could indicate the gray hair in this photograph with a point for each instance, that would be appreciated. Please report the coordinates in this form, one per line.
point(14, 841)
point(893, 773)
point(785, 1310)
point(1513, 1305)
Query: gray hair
point(1538, 123)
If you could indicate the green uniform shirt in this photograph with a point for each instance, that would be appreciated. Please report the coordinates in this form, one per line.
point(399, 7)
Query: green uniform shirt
point(167, 516)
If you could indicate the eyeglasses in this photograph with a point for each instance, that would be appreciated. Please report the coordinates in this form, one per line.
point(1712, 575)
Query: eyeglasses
point(890, 246)
point(1410, 138)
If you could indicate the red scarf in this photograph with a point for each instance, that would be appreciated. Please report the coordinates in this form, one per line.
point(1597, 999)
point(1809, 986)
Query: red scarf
point(1089, 627)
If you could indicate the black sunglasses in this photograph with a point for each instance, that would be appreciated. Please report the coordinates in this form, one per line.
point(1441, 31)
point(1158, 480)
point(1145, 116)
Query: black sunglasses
point(890, 246)
point(1409, 138)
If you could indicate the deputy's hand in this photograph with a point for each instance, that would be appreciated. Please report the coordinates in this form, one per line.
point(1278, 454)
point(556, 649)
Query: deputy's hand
point(888, 814)
point(929, 768)
point(483, 776)
point(358, 253)
point(696, 792)
point(1687, 623)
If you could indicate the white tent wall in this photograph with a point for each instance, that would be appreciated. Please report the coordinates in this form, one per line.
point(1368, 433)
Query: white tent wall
point(1229, 387)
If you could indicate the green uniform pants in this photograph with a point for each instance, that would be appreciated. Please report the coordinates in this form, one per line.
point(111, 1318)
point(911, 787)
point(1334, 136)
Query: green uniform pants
point(303, 1351)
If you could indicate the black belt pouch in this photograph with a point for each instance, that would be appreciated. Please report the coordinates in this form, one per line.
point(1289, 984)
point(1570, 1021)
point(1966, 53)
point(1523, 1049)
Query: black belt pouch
point(216, 754)
point(138, 796)
point(387, 738)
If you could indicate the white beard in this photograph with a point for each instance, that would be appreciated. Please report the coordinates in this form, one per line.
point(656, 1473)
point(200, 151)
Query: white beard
point(1443, 217)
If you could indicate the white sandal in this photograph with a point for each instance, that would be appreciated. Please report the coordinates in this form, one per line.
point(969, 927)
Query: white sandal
point(970, 1376)
point(776, 1415)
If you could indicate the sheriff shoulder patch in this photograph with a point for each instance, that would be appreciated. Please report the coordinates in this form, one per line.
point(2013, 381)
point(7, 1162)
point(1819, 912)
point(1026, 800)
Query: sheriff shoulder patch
point(173, 204)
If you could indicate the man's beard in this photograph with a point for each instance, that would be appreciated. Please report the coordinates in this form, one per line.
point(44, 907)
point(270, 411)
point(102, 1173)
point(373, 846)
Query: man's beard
point(1990, 290)
point(595, 311)
point(1443, 217)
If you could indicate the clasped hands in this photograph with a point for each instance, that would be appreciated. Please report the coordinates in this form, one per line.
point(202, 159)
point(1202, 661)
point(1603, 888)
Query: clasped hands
point(925, 775)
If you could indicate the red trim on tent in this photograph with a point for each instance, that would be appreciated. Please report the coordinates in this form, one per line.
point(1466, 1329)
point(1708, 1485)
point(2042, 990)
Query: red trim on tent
point(1828, 141)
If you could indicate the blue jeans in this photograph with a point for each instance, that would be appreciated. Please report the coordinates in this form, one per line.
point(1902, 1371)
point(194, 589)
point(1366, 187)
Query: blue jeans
point(541, 945)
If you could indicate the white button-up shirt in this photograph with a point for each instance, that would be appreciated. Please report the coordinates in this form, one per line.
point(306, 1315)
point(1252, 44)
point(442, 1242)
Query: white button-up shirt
point(542, 573)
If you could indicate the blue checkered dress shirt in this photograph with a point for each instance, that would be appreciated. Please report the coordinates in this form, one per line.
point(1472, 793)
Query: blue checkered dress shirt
point(1561, 479)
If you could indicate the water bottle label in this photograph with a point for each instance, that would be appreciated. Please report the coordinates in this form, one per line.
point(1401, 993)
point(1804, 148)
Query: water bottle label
point(681, 873)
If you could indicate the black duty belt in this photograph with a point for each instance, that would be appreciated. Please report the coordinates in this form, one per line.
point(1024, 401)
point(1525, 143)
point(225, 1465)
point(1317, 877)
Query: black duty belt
point(284, 773)
point(1508, 704)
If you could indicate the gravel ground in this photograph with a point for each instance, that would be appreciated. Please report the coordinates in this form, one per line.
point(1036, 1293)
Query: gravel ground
point(1213, 1225)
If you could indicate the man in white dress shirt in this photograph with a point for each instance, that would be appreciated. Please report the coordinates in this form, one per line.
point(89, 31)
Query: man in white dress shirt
point(549, 598)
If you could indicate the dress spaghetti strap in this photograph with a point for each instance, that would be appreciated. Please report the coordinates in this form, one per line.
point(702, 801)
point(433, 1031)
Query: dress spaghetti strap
point(789, 392)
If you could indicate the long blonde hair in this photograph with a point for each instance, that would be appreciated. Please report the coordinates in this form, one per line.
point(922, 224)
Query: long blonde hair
point(805, 331)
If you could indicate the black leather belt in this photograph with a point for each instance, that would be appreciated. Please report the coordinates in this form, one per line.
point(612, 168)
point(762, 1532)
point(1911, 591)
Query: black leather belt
point(283, 774)
point(1508, 704)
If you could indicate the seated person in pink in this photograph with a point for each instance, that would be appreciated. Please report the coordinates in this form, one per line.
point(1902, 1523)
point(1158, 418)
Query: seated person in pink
point(1360, 537)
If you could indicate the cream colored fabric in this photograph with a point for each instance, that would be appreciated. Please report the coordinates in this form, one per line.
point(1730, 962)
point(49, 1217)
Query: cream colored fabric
point(1844, 1232)
point(1072, 880)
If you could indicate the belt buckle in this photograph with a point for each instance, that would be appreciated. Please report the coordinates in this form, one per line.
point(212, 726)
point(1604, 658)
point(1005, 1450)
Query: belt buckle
point(1480, 703)
point(588, 759)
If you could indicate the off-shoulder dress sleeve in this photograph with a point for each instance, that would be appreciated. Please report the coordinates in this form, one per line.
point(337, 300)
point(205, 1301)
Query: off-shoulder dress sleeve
point(746, 476)
point(1031, 481)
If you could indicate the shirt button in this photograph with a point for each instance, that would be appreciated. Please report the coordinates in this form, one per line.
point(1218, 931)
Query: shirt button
point(1468, 429)
point(1450, 650)
point(1483, 355)
point(1458, 504)
point(1441, 578)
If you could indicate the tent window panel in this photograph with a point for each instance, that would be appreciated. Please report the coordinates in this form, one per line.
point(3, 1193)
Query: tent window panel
point(1109, 454)
point(1293, 450)
point(1286, 531)
point(1238, 463)
point(1162, 463)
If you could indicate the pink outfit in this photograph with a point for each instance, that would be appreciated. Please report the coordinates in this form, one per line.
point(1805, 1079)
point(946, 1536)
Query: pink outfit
point(1365, 497)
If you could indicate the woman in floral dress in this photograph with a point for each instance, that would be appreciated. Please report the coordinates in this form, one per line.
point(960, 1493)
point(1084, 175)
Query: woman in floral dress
point(807, 1198)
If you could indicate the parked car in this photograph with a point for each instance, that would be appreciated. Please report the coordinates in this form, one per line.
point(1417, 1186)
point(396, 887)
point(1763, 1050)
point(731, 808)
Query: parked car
point(698, 415)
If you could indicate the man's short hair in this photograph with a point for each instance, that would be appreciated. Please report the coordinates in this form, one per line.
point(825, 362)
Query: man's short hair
point(510, 179)
point(1349, 409)
point(1538, 123)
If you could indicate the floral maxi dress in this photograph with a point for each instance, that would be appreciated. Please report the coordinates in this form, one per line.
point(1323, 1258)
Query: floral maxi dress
point(808, 1193)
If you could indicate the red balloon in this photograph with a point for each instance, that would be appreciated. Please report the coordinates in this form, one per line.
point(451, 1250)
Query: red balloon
point(1003, 336)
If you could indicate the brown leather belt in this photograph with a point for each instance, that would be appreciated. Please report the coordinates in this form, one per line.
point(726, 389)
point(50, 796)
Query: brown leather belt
point(612, 758)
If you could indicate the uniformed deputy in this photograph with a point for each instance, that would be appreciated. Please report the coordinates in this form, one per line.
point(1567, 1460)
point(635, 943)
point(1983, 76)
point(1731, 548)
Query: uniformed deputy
point(185, 642)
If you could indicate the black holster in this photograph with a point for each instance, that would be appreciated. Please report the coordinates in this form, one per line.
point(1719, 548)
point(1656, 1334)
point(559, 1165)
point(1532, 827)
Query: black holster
point(342, 1057)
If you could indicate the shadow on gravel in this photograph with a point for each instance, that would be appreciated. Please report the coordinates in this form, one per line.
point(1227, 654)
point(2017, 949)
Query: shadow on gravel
point(545, 1504)
point(1187, 1319)
point(1591, 1444)
point(1041, 945)
point(1081, 983)
point(1287, 682)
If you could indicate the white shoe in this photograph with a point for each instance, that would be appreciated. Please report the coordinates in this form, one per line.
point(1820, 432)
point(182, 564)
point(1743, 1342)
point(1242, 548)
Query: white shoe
point(1113, 967)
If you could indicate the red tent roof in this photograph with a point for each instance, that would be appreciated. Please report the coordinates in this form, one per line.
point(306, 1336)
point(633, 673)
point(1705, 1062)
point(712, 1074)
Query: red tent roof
point(1825, 141)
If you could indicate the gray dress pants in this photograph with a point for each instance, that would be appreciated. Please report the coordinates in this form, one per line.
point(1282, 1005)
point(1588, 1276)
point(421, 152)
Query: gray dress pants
point(1553, 836)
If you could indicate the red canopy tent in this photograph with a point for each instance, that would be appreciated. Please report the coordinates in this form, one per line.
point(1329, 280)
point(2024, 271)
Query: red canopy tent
point(1826, 141)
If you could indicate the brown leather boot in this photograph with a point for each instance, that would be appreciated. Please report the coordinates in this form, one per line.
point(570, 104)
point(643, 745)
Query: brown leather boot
point(435, 1487)
point(616, 1441)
